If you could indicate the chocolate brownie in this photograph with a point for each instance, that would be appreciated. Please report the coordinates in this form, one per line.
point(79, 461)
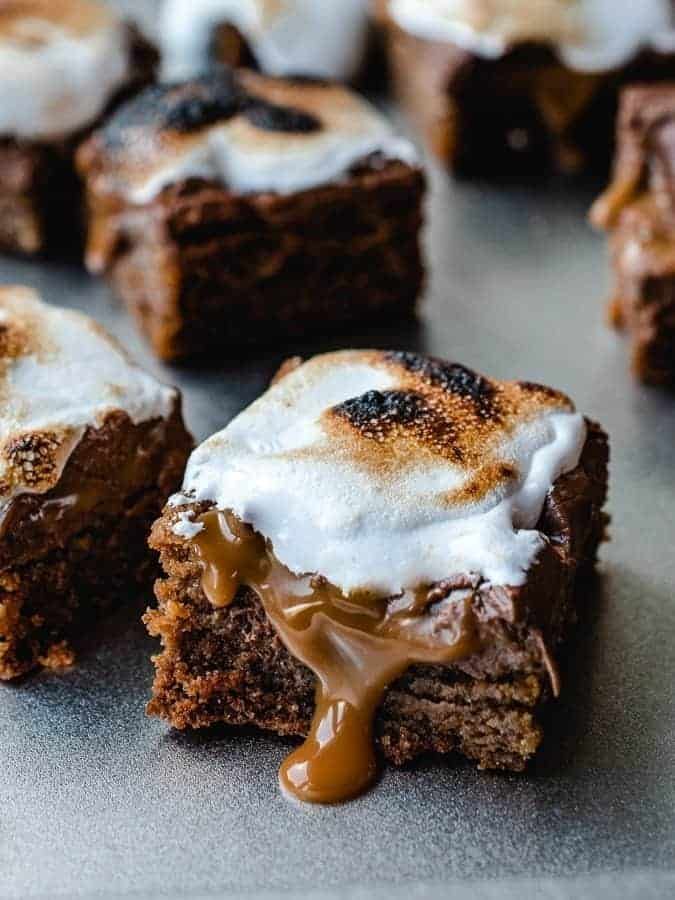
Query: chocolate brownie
point(63, 65)
point(327, 39)
point(238, 209)
point(385, 550)
point(638, 210)
point(523, 88)
point(90, 449)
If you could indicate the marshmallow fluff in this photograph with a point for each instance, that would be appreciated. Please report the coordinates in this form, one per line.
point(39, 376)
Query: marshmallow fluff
point(246, 156)
point(61, 61)
point(589, 35)
point(387, 471)
point(60, 373)
point(324, 38)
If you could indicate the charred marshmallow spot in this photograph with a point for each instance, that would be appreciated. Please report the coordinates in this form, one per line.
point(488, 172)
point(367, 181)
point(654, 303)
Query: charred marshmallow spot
point(270, 117)
point(309, 80)
point(185, 108)
point(451, 378)
point(381, 415)
point(246, 131)
point(206, 101)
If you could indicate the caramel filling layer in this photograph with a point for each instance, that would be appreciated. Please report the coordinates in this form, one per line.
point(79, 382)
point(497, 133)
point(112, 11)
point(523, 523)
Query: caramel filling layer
point(59, 513)
point(356, 646)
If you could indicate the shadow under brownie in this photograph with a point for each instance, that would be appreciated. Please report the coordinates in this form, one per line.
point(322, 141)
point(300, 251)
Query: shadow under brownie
point(479, 661)
point(237, 209)
point(91, 449)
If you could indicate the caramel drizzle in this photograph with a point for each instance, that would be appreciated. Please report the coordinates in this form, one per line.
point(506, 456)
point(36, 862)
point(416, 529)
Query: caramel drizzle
point(356, 646)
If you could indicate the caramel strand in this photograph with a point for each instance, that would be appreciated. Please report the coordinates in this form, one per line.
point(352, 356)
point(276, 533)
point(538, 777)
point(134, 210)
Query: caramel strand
point(355, 646)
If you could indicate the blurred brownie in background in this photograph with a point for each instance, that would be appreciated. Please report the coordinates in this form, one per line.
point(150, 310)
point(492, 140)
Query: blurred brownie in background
point(638, 209)
point(328, 39)
point(90, 448)
point(63, 63)
point(240, 209)
point(504, 87)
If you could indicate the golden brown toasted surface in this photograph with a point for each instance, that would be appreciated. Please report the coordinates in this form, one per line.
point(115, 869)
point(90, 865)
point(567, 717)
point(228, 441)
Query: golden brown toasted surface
point(20, 20)
point(436, 409)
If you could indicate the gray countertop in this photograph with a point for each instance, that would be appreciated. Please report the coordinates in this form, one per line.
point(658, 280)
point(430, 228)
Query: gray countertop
point(99, 801)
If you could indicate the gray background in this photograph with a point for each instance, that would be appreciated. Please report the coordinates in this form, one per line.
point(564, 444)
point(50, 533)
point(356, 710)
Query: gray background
point(96, 800)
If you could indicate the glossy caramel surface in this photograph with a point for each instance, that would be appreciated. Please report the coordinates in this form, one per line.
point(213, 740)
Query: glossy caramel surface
point(356, 646)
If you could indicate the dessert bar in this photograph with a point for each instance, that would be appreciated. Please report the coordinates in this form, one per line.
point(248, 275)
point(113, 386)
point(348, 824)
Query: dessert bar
point(519, 87)
point(383, 555)
point(298, 37)
point(638, 210)
point(90, 448)
point(239, 209)
point(63, 64)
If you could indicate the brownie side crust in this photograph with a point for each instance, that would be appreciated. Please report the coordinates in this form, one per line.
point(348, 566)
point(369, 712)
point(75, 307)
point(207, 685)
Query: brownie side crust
point(643, 301)
point(228, 665)
point(69, 555)
point(202, 269)
point(521, 114)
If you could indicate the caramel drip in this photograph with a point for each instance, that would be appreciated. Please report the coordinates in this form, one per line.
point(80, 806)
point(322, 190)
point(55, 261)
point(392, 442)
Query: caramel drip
point(608, 207)
point(356, 646)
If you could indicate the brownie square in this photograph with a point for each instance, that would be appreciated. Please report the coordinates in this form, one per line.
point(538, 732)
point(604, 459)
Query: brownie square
point(204, 266)
point(90, 449)
point(638, 211)
point(228, 656)
point(41, 202)
point(521, 113)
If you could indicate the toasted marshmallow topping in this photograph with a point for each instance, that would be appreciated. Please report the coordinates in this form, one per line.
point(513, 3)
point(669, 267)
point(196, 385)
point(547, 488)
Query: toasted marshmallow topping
point(590, 35)
point(287, 37)
point(61, 61)
point(59, 374)
point(248, 131)
point(387, 471)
